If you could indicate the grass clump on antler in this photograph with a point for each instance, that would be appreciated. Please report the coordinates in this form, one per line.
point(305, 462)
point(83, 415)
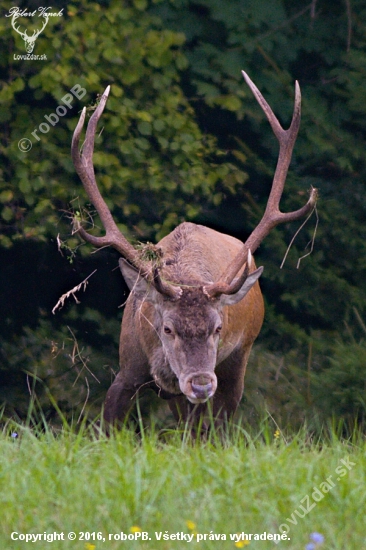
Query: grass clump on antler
point(149, 252)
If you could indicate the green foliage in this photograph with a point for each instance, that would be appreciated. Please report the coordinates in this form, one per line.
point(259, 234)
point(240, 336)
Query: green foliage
point(46, 361)
point(340, 388)
point(151, 153)
point(327, 383)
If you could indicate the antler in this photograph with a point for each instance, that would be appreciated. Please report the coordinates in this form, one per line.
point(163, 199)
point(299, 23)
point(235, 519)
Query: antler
point(29, 40)
point(43, 26)
point(22, 34)
point(272, 215)
point(84, 167)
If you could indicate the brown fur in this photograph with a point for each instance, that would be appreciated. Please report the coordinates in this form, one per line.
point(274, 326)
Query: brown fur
point(194, 256)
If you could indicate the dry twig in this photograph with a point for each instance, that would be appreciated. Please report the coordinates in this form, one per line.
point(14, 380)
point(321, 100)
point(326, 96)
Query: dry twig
point(71, 292)
point(77, 357)
point(296, 234)
point(86, 399)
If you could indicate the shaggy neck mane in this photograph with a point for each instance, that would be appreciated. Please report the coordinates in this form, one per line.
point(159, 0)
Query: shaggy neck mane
point(185, 259)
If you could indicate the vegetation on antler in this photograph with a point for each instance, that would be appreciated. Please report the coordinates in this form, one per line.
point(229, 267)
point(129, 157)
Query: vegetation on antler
point(150, 252)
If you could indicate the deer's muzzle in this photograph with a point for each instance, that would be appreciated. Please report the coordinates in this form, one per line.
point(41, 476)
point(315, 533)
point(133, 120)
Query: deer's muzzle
point(199, 387)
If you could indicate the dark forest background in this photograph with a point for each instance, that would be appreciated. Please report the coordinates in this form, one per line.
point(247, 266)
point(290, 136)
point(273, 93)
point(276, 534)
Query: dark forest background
point(184, 139)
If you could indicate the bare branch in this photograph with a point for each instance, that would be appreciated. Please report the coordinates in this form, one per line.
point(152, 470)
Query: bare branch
point(76, 353)
point(86, 399)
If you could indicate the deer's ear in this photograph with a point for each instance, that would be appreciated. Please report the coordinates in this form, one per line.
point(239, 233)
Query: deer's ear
point(231, 299)
point(136, 283)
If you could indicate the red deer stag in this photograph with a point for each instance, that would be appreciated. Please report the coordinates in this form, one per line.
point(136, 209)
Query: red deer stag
point(192, 316)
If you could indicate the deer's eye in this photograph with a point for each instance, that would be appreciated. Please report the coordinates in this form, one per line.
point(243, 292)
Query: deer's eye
point(167, 330)
point(218, 329)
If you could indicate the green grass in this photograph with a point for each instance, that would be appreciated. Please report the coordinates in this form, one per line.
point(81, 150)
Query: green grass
point(75, 481)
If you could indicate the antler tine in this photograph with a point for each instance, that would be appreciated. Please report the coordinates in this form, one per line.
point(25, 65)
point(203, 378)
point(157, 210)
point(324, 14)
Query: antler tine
point(272, 215)
point(221, 287)
point(286, 139)
point(43, 26)
point(17, 29)
point(84, 167)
